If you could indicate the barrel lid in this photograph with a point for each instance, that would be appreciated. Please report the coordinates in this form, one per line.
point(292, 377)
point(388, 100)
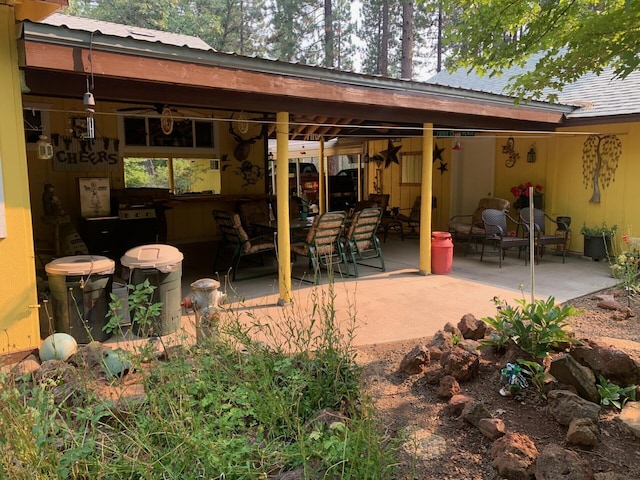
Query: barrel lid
point(80, 265)
point(160, 256)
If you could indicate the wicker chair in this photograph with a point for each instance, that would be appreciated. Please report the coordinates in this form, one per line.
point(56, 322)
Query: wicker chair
point(468, 227)
point(235, 237)
point(495, 233)
point(542, 239)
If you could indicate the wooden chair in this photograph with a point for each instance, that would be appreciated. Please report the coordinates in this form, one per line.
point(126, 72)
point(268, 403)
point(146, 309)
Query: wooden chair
point(495, 233)
point(322, 246)
point(542, 239)
point(235, 237)
point(361, 240)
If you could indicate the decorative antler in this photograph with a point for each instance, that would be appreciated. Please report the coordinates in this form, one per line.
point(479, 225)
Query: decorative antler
point(241, 152)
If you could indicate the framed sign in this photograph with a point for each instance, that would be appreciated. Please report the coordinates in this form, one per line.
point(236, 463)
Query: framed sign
point(95, 197)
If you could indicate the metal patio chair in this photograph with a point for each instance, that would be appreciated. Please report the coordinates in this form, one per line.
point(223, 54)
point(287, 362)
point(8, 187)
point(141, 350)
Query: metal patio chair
point(361, 240)
point(495, 233)
point(542, 239)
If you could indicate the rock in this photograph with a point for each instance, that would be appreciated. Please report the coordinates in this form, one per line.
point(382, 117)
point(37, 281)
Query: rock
point(471, 328)
point(583, 432)
point(442, 340)
point(609, 476)
point(630, 417)
point(448, 387)
point(474, 411)
point(453, 330)
point(556, 463)
point(460, 364)
point(415, 361)
point(434, 352)
point(566, 406)
point(89, 356)
point(471, 346)
point(492, 428)
point(456, 405)
point(433, 375)
point(613, 364)
point(514, 456)
point(567, 370)
point(610, 304)
point(26, 367)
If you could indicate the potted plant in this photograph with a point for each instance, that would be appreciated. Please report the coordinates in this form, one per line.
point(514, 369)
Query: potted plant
point(521, 192)
point(597, 240)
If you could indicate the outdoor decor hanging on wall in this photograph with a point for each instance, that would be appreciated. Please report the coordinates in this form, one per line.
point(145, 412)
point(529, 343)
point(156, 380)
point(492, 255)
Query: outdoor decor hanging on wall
point(390, 155)
point(509, 149)
point(73, 154)
point(600, 155)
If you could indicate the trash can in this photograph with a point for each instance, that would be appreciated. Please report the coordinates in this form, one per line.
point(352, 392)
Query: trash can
point(162, 266)
point(441, 253)
point(80, 286)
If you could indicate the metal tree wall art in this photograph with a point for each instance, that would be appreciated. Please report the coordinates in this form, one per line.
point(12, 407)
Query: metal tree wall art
point(600, 155)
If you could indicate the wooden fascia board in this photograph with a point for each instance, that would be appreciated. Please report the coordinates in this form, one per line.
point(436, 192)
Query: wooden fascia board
point(150, 69)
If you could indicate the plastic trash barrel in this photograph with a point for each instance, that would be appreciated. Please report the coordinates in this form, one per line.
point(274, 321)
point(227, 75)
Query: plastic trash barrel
point(441, 253)
point(162, 266)
point(80, 286)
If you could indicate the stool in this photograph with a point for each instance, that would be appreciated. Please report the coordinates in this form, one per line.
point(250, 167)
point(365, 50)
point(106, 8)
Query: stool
point(389, 223)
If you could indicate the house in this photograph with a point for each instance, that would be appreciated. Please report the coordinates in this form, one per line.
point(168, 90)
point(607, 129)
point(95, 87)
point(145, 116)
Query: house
point(131, 94)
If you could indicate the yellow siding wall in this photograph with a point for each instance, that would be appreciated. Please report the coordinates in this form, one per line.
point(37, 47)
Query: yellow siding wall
point(18, 311)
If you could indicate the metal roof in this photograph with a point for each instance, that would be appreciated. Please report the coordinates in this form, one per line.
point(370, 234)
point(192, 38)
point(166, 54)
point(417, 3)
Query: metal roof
point(124, 31)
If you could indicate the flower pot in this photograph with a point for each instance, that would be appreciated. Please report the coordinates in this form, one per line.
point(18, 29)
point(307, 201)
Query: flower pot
point(597, 247)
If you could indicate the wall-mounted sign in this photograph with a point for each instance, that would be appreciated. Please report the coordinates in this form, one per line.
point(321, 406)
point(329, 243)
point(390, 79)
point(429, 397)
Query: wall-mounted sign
point(95, 199)
point(72, 154)
point(452, 133)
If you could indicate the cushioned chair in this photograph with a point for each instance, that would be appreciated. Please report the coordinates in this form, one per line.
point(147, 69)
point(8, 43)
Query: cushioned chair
point(381, 199)
point(495, 233)
point(469, 227)
point(253, 211)
point(235, 237)
point(542, 239)
point(361, 240)
point(323, 246)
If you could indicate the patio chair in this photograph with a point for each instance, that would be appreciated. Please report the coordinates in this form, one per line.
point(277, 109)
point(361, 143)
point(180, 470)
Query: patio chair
point(542, 239)
point(468, 227)
point(322, 246)
point(495, 233)
point(235, 237)
point(361, 240)
point(382, 200)
point(412, 220)
point(253, 211)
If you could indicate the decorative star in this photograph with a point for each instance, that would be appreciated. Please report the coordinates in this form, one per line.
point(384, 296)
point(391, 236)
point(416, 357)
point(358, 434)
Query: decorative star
point(437, 153)
point(390, 154)
point(442, 167)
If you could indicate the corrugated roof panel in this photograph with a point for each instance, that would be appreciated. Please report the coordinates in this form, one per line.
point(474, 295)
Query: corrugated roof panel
point(124, 31)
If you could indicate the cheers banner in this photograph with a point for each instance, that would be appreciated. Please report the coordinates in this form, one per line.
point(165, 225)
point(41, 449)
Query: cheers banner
point(73, 154)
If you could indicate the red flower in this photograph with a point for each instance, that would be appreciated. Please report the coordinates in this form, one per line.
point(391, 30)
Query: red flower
point(523, 189)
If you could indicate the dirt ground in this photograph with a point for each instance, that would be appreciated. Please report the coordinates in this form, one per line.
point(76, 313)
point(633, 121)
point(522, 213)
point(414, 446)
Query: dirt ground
point(441, 447)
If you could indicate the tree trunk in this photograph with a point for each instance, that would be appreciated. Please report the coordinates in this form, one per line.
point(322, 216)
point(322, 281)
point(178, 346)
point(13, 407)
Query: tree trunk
point(384, 40)
point(329, 34)
point(406, 68)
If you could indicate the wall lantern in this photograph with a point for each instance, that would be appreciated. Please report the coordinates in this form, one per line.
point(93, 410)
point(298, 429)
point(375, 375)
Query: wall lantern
point(531, 155)
point(45, 149)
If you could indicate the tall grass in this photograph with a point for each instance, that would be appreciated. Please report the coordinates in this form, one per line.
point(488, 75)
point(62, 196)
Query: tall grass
point(261, 398)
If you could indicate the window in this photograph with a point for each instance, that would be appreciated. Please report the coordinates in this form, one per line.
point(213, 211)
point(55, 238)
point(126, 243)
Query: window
point(411, 167)
point(180, 175)
point(185, 133)
point(35, 122)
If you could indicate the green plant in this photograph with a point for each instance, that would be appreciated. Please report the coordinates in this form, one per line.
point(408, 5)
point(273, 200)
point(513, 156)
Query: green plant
point(602, 230)
point(143, 311)
point(535, 373)
point(626, 267)
point(537, 328)
point(614, 395)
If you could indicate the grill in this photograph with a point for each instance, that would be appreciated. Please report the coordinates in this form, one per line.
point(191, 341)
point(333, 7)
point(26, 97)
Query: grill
point(138, 223)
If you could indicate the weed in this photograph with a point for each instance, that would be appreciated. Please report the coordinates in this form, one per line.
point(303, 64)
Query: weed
point(143, 311)
point(537, 328)
point(614, 395)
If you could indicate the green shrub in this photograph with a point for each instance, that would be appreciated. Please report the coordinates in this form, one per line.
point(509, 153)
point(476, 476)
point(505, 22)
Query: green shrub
point(614, 395)
point(538, 328)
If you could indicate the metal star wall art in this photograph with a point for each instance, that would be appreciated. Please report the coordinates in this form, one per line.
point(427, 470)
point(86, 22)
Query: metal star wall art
point(437, 153)
point(442, 168)
point(390, 155)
